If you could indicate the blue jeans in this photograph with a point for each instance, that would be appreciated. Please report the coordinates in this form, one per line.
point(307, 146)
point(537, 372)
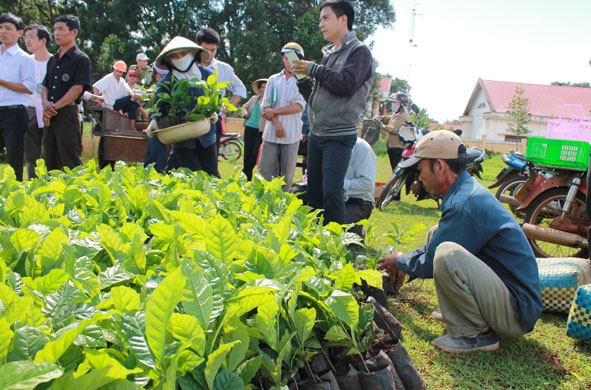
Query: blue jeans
point(126, 105)
point(328, 160)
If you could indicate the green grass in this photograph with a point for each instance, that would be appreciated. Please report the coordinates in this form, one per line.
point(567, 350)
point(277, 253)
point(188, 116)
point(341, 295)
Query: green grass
point(543, 359)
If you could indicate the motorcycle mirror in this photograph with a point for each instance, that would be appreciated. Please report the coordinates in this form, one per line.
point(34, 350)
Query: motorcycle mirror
point(415, 108)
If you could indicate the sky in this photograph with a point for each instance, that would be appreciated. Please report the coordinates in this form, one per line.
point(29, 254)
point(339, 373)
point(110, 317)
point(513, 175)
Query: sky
point(459, 41)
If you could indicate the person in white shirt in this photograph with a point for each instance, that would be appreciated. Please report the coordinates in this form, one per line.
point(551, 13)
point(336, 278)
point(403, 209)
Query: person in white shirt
point(359, 185)
point(17, 83)
point(209, 39)
point(117, 93)
point(282, 107)
point(37, 41)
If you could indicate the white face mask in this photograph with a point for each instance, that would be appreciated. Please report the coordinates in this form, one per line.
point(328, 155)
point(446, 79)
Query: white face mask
point(182, 64)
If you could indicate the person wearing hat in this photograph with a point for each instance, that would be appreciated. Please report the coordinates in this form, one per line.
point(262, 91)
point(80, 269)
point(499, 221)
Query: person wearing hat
point(485, 273)
point(341, 85)
point(145, 76)
point(117, 93)
point(132, 81)
point(395, 122)
point(181, 57)
point(158, 73)
point(282, 107)
point(254, 124)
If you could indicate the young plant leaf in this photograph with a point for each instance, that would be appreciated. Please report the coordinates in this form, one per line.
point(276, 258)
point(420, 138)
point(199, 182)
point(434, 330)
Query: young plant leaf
point(215, 361)
point(197, 295)
point(53, 350)
point(159, 308)
point(5, 338)
point(27, 374)
point(132, 327)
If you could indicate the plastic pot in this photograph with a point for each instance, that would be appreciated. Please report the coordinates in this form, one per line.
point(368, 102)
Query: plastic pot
point(405, 368)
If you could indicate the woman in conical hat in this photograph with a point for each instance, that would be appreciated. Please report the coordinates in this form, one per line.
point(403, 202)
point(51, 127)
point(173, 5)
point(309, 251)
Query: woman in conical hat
point(181, 57)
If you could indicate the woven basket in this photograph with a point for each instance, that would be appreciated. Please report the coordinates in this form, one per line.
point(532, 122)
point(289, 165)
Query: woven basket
point(578, 325)
point(559, 280)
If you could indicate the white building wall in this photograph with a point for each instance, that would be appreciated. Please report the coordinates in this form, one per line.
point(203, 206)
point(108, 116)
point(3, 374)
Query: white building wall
point(483, 124)
point(474, 125)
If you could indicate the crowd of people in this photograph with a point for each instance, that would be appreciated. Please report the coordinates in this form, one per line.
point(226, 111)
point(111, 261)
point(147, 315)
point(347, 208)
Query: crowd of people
point(484, 271)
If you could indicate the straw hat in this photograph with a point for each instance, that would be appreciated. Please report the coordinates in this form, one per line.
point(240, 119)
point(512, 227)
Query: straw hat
point(180, 44)
point(256, 85)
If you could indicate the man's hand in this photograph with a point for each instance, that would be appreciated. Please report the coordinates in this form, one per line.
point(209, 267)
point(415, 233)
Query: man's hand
point(279, 132)
point(299, 67)
point(268, 113)
point(388, 264)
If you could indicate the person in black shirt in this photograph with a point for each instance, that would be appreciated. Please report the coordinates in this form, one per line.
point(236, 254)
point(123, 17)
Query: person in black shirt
point(68, 76)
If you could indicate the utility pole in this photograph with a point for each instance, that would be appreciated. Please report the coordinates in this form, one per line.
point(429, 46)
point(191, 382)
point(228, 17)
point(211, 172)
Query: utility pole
point(411, 41)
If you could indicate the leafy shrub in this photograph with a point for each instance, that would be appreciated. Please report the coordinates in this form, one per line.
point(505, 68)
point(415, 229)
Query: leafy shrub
point(134, 279)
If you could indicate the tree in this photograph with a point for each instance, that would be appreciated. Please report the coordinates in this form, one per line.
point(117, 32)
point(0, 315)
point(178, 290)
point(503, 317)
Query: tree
point(569, 84)
point(255, 30)
point(400, 85)
point(421, 119)
point(252, 31)
point(518, 111)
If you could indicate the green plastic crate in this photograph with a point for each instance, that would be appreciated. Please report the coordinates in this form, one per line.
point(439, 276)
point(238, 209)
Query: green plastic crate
point(558, 153)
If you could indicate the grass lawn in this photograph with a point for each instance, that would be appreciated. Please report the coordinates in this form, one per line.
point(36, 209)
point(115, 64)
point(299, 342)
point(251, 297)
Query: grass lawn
point(544, 359)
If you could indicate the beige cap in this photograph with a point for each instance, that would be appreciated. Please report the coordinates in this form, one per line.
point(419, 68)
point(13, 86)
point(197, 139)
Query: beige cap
point(437, 144)
point(179, 44)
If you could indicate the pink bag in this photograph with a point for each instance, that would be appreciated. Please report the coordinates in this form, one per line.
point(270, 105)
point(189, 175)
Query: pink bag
point(576, 128)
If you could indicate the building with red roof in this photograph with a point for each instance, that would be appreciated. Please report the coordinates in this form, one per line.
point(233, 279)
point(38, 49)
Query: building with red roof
point(485, 115)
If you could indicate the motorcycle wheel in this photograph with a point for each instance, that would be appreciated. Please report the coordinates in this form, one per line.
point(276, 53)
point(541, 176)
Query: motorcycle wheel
point(231, 150)
point(546, 209)
point(370, 132)
point(510, 188)
point(391, 191)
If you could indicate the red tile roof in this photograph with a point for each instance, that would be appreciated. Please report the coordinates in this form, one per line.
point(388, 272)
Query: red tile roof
point(384, 84)
point(544, 100)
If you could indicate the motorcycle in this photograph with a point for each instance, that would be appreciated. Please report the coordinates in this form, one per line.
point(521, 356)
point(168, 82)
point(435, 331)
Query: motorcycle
point(230, 146)
point(409, 177)
point(511, 178)
point(556, 220)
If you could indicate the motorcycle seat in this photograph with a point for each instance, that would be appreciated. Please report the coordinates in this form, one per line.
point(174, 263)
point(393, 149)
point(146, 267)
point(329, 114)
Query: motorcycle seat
point(474, 155)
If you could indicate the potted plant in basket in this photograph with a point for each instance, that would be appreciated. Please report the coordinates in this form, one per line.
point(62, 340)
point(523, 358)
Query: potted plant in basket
point(186, 105)
point(186, 116)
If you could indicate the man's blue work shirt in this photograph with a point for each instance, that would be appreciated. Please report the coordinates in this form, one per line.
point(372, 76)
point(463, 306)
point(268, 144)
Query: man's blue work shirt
point(473, 218)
